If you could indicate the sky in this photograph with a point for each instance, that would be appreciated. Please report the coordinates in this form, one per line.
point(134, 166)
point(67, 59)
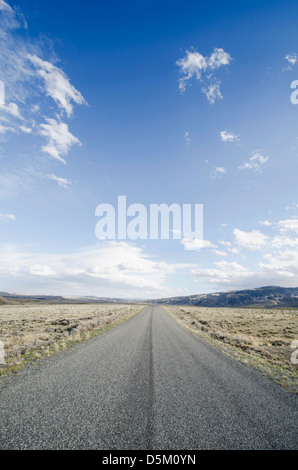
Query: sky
point(160, 101)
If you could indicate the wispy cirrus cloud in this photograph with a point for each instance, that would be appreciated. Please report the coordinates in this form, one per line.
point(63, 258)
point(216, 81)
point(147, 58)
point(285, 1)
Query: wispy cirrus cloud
point(25, 129)
point(57, 84)
point(255, 163)
point(6, 217)
point(195, 65)
point(219, 252)
point(14, 181)
point(63, 182)
point(291, 60)
point(60, 140)
point(5, 129)
point(218, 171)
point(11, 109)
point(39, 97)
point(187, 138)
point(5, 6)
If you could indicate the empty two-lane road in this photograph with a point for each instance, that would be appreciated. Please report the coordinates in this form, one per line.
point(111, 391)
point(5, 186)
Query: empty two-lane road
point(147, 384)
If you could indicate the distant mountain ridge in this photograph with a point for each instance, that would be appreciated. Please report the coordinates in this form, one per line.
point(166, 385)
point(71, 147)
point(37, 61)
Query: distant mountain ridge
point(269, 296)
point(58, 298)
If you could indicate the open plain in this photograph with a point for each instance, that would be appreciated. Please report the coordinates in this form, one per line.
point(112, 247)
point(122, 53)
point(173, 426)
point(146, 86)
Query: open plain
point(31, 330)
point(145, 384)
point(257, 336)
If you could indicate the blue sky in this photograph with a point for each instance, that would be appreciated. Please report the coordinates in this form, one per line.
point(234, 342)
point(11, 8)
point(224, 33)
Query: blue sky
point(164, 102)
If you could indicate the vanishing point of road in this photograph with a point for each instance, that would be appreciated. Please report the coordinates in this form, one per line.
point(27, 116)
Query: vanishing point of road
point(146, 384)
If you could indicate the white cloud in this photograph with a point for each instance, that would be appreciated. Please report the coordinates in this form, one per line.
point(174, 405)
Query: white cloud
point(6, 217)
point(293, 206)
point(266, 223)
point(228, 136)
point(31, 84)
point(12, 109)
point(25, 129)
point(4, 6)
point(218, 58)
point(4, 129)
point(218, 171)
point(57, 84)
point(283, 265)
point(289, 225)
point(196, 244)
point(63, 182)
point(280, 242)
point(193, 64)
point(257, 241)
point(196, 65)
point(219, 252)
point(225, 243)
point(276, 259)
point(230, 267)
point(103, 270)
point(234, 250)
point(212, 91)
point(60, 140)
point(279, 270)
point(44, 271)
point(224, 273)
point(254, 240)
point(255, 163)
point(291, 60)
point(187, 138)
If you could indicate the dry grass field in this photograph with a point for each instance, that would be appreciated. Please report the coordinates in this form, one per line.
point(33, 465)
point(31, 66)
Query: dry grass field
point(33, 330)
point(260, 337)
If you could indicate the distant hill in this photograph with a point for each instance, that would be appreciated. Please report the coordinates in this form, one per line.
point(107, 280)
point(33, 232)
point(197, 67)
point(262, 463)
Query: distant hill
point(269, 296)
point(3, 301)
point(7, 298)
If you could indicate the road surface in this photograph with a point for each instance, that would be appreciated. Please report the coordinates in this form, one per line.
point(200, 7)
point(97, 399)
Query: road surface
point(147, 384)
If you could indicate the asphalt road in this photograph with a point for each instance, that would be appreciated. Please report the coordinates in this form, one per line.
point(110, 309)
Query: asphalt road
point(147, 384)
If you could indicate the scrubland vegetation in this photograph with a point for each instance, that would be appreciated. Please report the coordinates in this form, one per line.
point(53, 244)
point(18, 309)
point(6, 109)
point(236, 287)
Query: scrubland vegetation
point(34, 330)
point(256, 336)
